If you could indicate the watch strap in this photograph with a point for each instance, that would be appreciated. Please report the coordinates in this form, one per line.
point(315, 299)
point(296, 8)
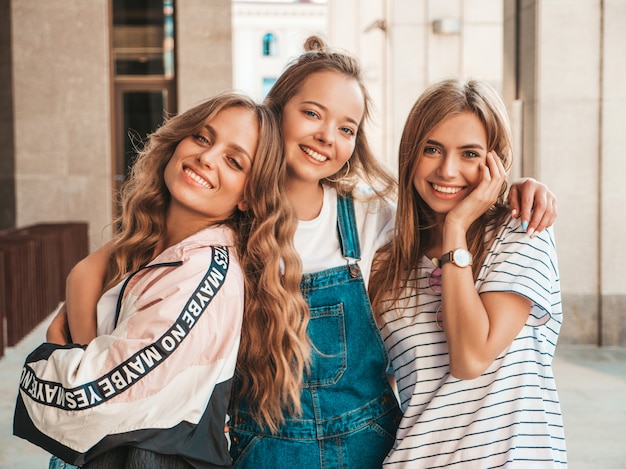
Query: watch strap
point(450, 257)
point(447, 257)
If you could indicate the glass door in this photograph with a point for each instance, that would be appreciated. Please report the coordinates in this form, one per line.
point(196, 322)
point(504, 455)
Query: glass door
point(143, 75)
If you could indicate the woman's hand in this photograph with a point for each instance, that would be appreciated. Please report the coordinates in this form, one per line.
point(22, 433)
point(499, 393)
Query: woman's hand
point(483, 196)
point(534, 202)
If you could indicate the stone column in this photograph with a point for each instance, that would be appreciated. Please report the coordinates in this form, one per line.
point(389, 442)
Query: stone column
point(568, 76)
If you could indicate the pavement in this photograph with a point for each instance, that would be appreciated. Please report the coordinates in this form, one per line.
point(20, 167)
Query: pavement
point(591, 382)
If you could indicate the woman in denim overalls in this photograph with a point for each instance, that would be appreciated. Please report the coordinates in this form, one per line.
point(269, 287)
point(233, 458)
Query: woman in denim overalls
point(349, 412)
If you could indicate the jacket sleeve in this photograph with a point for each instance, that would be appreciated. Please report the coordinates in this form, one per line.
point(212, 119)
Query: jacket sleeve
point(175, 341)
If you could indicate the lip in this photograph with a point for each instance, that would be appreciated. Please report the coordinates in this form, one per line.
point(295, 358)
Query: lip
point(313, 154)
point(197, 177)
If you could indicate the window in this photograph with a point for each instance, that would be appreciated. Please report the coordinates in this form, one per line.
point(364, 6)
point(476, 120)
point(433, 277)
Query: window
point(143, 75)
point(270, 46)
point(267, 86)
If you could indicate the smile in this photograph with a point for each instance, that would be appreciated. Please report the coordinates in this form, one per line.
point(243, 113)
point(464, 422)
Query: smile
point(313, 154)
point(198, 179)
point(446, 190)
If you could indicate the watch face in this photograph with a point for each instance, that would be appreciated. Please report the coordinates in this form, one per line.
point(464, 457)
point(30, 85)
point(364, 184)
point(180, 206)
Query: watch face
point(462, 258)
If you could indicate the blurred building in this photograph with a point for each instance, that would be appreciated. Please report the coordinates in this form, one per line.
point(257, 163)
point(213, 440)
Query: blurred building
point(77, 77)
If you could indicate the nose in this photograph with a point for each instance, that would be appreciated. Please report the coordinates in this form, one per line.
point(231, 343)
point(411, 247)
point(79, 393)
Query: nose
point(447, 166)
point(325, 134)
point(208, 157)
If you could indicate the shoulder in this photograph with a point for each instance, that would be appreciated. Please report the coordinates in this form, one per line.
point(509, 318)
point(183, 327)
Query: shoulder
point(512, 234)
point(199, 244)
point(368, 203)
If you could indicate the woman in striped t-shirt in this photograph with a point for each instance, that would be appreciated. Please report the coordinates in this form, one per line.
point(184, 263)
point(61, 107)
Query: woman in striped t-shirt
point(468, 302)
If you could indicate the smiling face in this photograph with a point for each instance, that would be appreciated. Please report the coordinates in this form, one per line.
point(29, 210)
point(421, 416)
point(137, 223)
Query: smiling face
point(320, 125)
point(207, 173)
point(448, 168)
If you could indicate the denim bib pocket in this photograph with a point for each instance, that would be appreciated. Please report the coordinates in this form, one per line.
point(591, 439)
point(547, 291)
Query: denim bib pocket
point(328, 352)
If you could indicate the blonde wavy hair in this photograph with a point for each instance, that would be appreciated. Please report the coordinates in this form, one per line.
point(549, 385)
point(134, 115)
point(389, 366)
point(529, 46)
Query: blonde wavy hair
point(274, 308)
point(415, 220)
point(363, 165)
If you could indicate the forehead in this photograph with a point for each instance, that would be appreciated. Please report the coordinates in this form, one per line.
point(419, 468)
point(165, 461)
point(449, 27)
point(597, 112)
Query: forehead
point(460, 128)
point(335, 91)
point(236, 126)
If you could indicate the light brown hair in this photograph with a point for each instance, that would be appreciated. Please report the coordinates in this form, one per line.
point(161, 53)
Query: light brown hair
point(318, 57)
point(415, 220)
point(275, 313)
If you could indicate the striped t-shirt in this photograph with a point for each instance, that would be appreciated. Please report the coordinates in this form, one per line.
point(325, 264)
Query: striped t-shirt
point(510, 416)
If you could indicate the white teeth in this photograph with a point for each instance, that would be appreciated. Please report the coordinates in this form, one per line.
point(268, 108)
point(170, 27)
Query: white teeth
point(447, 190)
point(313, 154)
point(198, 179)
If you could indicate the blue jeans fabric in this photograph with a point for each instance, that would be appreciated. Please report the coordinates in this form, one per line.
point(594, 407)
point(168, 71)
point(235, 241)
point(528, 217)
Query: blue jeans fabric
point(56, 463)
point(350, 414)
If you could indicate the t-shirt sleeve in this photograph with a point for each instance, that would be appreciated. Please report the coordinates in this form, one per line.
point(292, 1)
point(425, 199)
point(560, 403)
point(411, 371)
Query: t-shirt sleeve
point(526, 266)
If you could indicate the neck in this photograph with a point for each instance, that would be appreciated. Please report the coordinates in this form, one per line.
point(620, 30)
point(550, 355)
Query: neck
point(307, 199)
point(434, 251)
point(179, 228)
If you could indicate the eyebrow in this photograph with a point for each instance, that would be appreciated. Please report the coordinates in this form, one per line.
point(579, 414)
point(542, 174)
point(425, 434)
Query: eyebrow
point(321, 106)
point(464, 147)
point(233, 146)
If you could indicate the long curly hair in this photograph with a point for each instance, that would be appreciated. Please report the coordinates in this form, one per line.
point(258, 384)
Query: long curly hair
point(274, 307)
point(318, 57)
point(415, 220)
point(275, 349)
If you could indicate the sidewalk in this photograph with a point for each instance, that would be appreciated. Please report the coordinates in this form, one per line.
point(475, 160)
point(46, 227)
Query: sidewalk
point(591, 383)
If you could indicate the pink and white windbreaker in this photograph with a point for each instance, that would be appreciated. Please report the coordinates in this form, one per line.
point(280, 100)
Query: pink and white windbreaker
point(159, 380)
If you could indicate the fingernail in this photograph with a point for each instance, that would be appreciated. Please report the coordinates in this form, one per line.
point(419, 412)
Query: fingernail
point(531, 232)
point(525, 225)
point(514, 213)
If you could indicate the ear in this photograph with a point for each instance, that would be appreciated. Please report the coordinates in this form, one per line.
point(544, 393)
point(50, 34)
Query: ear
point(243, 205)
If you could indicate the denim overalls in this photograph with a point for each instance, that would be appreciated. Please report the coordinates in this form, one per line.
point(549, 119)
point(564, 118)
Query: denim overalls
point(349, 412)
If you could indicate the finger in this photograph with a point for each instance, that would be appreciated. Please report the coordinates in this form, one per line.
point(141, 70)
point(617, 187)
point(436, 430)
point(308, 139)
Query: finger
point(514, 201)
point(501, 169)
point(539, 209)
point(530, 201)
point(548, 217)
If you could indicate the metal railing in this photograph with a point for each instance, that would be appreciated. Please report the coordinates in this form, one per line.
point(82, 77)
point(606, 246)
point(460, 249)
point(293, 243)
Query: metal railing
point(34, 262)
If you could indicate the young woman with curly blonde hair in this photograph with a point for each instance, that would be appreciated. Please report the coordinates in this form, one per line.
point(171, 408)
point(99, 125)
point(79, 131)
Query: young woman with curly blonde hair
point(204, 223)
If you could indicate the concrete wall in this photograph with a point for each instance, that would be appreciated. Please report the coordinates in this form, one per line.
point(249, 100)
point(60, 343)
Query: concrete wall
point(7, 151)
point(612, 226)
point(203, 47)
point(61, 102)
point(571, 91)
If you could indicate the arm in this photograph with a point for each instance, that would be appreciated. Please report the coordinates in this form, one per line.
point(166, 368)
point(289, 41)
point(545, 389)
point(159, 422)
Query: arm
point(534, 202)
point(476, 330)
point(59, 330)
point(76, 320)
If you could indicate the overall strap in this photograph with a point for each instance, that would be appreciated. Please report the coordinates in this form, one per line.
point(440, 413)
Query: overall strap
point(346, 228)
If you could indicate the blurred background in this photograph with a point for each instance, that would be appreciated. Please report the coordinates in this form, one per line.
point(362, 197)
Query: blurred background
point(82, 81)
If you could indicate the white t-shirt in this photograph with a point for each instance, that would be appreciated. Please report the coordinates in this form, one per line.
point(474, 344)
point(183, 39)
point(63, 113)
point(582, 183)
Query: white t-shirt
point(510, 416)
point(317, 240)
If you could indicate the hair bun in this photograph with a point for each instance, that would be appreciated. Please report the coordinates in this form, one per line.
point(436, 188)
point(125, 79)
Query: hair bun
point(314, 43)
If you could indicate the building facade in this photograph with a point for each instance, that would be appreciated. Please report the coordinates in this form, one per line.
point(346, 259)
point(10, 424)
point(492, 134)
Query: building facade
point(559, 64)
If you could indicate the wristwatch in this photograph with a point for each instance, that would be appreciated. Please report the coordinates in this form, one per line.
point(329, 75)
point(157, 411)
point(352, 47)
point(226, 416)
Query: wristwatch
point(459, 257)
